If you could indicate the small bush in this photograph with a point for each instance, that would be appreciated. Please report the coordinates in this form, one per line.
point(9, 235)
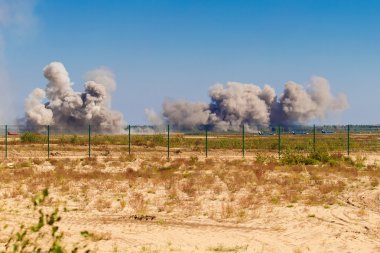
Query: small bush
point(360, 162)
point(317, 157)
point(291, 158)
point(34, 238)
point(137, 202)
point(320, 155)
point(264, 159)
point(374, 182)
point(127, 158)
point(74, 139)
point(29, 137)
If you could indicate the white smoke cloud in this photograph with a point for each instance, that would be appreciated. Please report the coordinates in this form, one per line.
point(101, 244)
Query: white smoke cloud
point(153, 117)
point(71, 110)
point(15, 16)
point(186, 115)
point(36, 110)
point(235, 104)
point(104, 76)
point(300, 105)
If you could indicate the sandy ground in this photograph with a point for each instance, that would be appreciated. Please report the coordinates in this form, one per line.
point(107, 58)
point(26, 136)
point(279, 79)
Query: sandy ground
point(351, 223)
point(276, 229)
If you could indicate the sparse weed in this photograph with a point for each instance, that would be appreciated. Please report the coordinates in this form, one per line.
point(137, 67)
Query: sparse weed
point(137, 202)
point(222, 248)
point(33, 238)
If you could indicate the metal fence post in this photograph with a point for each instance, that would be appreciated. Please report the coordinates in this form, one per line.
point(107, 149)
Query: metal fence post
point(6, 141)
point(129, 139)
point(279, 141)
point(314, 138)
point(168, 142)
point(243, 139)
point(89, 141)
point(348, 139)
point(206, 142)
point(48, 140)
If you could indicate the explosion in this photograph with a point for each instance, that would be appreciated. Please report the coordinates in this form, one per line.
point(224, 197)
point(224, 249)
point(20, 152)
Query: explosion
point(235, 104)
point(71, 110)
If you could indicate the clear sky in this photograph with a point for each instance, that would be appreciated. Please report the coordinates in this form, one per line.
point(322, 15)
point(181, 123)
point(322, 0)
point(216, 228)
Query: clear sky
point(177, 49)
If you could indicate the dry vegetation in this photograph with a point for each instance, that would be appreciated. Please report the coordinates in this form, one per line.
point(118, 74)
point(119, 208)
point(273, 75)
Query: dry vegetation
point(99, 195)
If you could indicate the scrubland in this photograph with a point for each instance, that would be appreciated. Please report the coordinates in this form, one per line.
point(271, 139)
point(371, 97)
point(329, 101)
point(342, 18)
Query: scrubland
point(147, 203)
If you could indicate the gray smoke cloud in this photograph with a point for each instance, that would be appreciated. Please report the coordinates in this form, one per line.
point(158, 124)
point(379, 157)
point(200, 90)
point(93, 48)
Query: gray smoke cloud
point(153, 117)
point(184, 114)
point(235, 104)
point(104, 76)
point(299, 105)
point(71, 110)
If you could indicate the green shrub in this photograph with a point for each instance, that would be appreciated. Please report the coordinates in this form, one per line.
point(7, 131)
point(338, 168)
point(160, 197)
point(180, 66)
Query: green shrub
point(291, 158)
point(29, 137)
point(33, 238)
point(265, 159)
point(320, 155)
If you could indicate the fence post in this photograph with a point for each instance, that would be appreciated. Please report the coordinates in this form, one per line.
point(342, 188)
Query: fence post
point(243, 139)
point(6, 141)
point(314, 138)
point(279, 141)
point(89, 141)
point(168, 142)
point(348, 139)
point(206, 142)
point(48, 140)
point(129, 139)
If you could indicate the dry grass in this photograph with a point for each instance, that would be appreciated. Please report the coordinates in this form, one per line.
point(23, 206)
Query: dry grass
point(327, 187)
point(361, 212)
point(374, 181)
point(226, 189)
point(189, 187)
point(137, 202)
point(102, 204)
point(227, 210)
point(222, 248)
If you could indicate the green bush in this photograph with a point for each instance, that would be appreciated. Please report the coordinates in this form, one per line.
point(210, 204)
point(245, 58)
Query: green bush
point(29, 137)
point(291, 158)
point(321, 155)
point(34, 238)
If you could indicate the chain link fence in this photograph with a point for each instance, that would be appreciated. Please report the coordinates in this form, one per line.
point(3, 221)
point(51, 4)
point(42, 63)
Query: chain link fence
point(55, 142)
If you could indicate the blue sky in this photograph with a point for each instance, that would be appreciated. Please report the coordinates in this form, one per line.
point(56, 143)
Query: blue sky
point(178, 49)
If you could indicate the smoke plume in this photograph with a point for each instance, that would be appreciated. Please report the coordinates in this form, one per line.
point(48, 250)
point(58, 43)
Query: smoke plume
point(153, 117)
point(71, 110)
point(104, 76)
point(235, 104)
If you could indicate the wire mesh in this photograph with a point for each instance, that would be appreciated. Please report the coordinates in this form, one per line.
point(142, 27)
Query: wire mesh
point(332, 138)
point(67, 143)
point(364, 139)
point(2, 141)
point(82, 142)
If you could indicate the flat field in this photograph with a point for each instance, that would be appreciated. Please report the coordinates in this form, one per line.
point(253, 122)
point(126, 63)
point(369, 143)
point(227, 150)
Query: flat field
point(143, 202)
point(31, 145)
